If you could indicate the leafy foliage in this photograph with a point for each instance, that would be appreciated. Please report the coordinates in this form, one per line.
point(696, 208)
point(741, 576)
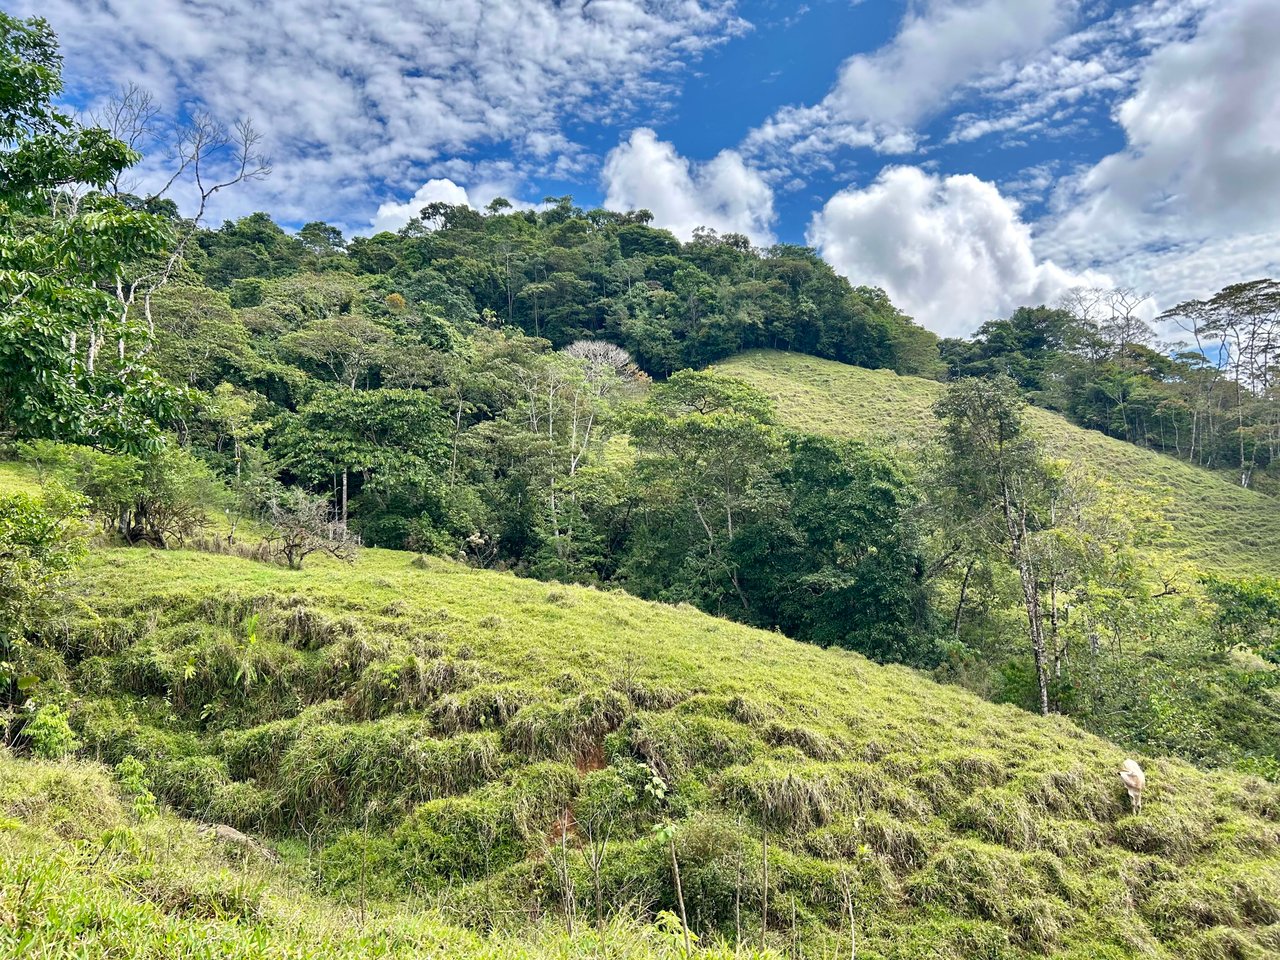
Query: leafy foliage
point(1209, 400)
point(61, 255)
point(39, 545)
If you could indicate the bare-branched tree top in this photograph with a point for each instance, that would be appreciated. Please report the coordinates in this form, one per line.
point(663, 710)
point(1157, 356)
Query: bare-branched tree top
point(303, 523)
point(1114, 312)
point(599, 356)
point(205, 156)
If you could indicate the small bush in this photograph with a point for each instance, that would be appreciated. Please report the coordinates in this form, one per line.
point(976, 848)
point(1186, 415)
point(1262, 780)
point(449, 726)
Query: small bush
point(190, 783)
point(572, 729)
point(539, 796)
point(1172, 833)
point(309, 629)
point(1187, 904)
point(676, 744)
point(243, 805)
point(70, 800)
point(902, 845)
point(50, 733)
point(784, 797)
point(814, 745)
point(998, 816)
point(483, 707)
point(339, 770)
point(456, 838)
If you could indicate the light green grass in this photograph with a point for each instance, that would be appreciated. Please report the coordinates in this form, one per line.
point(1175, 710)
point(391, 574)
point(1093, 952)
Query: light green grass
point(18, 478)
point(1214, 523)
point(427, 692)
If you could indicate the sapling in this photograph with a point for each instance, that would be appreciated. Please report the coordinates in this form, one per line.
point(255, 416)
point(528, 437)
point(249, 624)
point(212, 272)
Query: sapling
point(562, 868)
point(846, 888)
point(667, 832)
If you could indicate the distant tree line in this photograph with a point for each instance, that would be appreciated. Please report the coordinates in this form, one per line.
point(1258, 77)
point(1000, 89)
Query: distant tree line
point(1211, 398)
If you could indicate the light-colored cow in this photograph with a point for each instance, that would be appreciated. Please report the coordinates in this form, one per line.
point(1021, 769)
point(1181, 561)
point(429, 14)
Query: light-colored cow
point(1135, 781)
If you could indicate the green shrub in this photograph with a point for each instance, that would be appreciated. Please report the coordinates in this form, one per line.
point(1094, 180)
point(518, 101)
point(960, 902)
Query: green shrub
point(358, 863)
point(1187, 904)
point(132, 774)
point(783, 796)
point(966, 878)
point(338, 770)
point(676, 744)
point(50, 733)
point(572, 729)
point(483, 707)
point(539, 795)
point(998, 816)
point(189, 783)
point(243, 805)
point(1172, 833)
point(901, 844)
point(72, 802)
point(454, 839)
point(814, 745)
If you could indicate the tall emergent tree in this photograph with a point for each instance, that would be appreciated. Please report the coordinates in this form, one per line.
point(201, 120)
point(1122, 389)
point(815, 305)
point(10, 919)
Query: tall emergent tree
point(1000, 487)
point(1244, 321)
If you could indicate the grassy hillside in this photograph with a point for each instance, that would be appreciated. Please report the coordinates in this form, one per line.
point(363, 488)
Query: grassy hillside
point(421, 731)
point(82, 875)
point(1214, 523)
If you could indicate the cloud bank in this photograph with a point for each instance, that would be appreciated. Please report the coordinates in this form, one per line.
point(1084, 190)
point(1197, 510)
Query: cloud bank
point(951, 251)
point(1191, 202)
point(357, 97)
point(879, 99)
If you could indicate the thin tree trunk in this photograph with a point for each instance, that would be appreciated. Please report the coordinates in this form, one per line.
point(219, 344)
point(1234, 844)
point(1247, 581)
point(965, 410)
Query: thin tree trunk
point(1017, 525)
point(764, 894)
point(675, 871)
point(964, 590)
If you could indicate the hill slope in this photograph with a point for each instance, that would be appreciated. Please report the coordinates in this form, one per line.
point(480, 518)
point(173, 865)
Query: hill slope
point(1214, 523)
point(433, 729)
point(82, 875)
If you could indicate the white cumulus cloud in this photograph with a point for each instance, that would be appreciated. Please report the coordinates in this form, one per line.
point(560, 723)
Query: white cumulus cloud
point(880, 98)
point(1191, 203)
point(1202, 157)
point(354, 96)
point(723, 193)
point(392, 216)
point(951, 251)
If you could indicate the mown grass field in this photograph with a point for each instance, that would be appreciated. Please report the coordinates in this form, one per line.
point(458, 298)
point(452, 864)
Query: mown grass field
point(1213, 522)
point(421, 732)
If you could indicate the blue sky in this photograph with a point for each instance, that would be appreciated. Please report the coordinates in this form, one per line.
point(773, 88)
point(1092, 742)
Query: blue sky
point(967, 155)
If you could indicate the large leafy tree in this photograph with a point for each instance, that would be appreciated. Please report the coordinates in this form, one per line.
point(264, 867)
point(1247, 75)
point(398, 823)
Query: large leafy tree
point(65, 245)
point(386, 438)
point(859, 580)
point(709, 456)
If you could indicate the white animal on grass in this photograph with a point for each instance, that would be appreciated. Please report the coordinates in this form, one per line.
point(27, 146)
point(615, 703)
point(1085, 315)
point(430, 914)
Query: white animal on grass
point(1135, 781)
